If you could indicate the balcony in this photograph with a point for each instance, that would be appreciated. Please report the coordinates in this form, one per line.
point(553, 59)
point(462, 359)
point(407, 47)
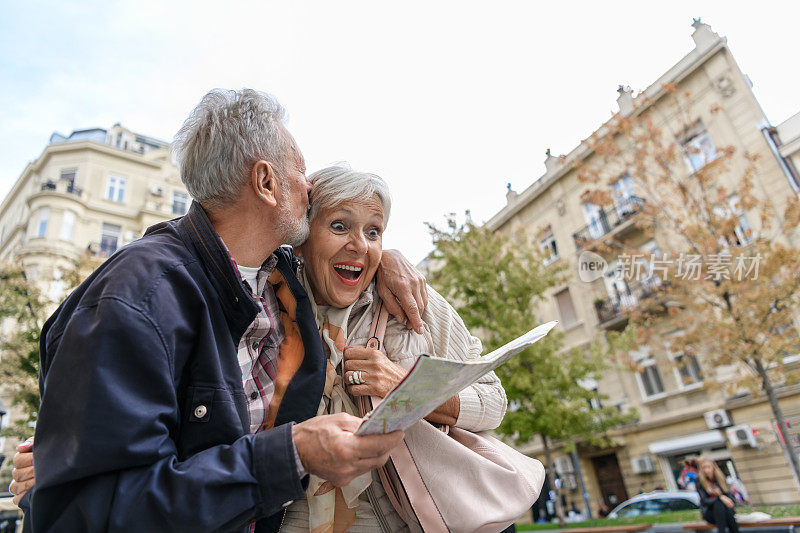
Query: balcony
point(62, 187)
point(608, 220)
point(612, 312)
point(103, 249)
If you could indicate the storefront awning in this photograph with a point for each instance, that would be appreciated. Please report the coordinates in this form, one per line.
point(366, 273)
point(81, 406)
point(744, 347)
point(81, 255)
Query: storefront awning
point(697, 441)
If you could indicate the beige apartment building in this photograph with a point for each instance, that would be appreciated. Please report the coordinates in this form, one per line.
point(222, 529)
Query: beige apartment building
point(90, 192)
point(678, 416)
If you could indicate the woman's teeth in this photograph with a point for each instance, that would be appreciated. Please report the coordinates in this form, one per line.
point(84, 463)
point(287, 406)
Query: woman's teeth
point(348, 267)
point(348, 273)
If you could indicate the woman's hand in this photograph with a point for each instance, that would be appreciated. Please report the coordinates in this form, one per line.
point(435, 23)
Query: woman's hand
point(23, 471)
point(380, 375)
point(727, 501)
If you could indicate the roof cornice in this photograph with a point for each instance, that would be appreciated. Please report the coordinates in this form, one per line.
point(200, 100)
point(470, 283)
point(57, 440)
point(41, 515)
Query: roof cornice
point(679, 71)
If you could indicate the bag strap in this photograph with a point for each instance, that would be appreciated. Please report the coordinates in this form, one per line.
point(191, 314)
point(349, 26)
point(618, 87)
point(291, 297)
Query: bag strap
point(378, 328)
point(400, 478)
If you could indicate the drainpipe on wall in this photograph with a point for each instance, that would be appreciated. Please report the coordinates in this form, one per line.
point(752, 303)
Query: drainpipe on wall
point(577, 466)
point(769, 132)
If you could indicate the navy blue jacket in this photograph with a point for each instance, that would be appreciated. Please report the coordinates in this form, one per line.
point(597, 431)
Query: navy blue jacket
point(143, 423)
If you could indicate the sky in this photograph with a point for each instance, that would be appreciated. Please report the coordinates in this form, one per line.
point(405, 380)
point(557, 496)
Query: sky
point(447, 100)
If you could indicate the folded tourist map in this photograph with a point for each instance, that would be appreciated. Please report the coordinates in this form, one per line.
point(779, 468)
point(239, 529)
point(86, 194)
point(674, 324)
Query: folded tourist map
point(432, 380)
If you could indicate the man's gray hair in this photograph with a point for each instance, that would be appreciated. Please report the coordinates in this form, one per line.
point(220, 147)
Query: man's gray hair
point(223, 138)
point(337, 184)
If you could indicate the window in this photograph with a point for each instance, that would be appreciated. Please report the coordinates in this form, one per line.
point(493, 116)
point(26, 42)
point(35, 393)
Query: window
point(67, 225)
point(109, 239)
point(624, 199)
point(634, 509)
point(180, 203)
point(617, 287)
point(742, 230)
point(679, 504)
point(68, 176)
point(115, 191)
point(698, 149)
point(566, 309)
point(549, 247)
point(649, 377)
point(596, 220)
point(42, 227)
point(688, 369)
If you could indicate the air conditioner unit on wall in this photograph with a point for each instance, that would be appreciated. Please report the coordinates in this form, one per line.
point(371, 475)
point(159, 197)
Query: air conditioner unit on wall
point(564, 465)
point(643, 465)
point(741, 435)
point(719, 418)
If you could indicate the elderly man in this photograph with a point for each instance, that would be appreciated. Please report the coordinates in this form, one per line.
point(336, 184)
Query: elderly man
point(158, 372)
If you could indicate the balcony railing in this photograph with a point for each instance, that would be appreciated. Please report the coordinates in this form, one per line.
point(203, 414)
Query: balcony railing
point(616, 306)
point(608, 219)
point(64, 187)
point(102, 249)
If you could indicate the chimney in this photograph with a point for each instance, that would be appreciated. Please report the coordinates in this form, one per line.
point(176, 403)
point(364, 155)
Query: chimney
point(625, 100)
point(703, 36)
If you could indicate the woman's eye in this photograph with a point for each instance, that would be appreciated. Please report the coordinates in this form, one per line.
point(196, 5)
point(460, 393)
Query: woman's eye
point(373, 233)
point(337, 226)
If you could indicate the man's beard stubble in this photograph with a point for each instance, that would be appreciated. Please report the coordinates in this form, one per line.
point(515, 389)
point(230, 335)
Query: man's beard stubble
point(295, 230)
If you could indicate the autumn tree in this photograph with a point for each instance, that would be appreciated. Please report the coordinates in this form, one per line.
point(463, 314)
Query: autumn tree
point(23, 310)
point(495, 282)
point(22, 314)
point(726, 269)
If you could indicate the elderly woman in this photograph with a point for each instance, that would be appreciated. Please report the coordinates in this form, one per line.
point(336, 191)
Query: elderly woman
point(349, 212)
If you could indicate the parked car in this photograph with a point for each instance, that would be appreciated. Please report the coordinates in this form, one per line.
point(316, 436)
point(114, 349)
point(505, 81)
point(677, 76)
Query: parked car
point(10, 515)
point(656, 502)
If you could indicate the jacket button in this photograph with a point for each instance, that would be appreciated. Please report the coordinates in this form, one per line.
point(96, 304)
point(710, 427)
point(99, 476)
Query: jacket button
point(287, 504)
point(200, 411)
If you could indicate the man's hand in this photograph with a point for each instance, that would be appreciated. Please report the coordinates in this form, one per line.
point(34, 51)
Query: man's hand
point(379, 373)
point(727, 501)
point(329, 448)
point(23, 471)
point(398, 281)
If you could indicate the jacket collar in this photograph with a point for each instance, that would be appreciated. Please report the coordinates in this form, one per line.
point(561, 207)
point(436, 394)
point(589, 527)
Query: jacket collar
point(196, 230)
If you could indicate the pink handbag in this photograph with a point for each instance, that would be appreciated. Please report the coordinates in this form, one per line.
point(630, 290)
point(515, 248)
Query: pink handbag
point(450, 479)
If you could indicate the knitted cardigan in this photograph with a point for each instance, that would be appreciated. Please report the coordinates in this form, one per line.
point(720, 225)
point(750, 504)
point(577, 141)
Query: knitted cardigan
point(482, 404)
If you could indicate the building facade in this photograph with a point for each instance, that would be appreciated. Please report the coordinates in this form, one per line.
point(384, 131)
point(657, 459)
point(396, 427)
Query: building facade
point(91, 193)
point(679, 416)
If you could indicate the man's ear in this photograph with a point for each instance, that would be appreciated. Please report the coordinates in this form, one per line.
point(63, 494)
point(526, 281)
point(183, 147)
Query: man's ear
point(264, 181)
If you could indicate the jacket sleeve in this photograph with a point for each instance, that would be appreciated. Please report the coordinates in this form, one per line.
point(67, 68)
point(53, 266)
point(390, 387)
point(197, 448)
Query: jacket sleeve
point(483, 404)
point(105, 457)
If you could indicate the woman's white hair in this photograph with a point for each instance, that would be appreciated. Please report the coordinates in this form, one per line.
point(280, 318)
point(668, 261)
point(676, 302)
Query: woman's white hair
point(334, 185)
point(222, 139)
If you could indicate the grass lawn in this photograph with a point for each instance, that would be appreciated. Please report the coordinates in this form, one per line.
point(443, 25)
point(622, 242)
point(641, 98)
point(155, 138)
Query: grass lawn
point(664, 518)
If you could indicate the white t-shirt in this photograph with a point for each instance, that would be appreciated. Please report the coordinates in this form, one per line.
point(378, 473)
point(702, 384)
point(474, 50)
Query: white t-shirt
point(250, 275)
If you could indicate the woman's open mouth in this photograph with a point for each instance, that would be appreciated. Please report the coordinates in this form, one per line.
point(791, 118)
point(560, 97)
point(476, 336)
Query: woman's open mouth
point(349, 273)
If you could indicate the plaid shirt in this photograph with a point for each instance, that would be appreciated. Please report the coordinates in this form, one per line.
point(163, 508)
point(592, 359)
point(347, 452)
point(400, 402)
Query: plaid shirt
point(258, 348)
